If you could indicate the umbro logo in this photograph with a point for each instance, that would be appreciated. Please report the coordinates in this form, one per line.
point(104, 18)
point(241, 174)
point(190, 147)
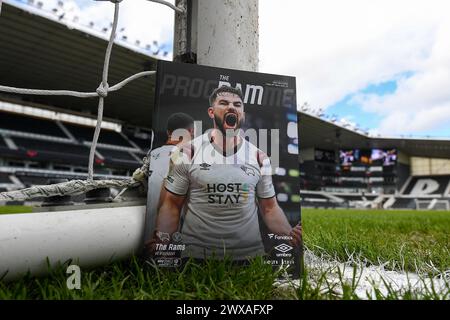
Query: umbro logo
point(283, 248)
point(205, 166)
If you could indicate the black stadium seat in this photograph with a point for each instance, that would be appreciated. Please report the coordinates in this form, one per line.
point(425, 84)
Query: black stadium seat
point(40, 145)
point(29, 181)
point(2, 142)
point(404, 203)
point(4, 178)
point(144, 144)
point(351, 197)
point(313, 196)
point(318, 201)
point(115, 154)
point(21, 123)
point(106, 136)
point(56, 152)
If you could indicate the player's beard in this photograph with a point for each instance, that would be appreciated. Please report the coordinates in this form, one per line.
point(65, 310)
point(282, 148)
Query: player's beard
point(232, 120)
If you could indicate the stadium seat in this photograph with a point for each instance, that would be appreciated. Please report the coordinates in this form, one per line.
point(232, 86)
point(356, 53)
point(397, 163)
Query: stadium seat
point(20, 123)
point(85, 133)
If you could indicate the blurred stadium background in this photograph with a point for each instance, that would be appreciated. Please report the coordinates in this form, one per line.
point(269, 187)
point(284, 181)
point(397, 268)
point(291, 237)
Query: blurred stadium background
point(45, 138)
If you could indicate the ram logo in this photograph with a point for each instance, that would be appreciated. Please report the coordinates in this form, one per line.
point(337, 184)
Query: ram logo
point(248, 171)
point(204, 166)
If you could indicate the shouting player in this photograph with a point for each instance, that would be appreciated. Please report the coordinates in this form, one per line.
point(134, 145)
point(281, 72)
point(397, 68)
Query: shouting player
point(221, 179)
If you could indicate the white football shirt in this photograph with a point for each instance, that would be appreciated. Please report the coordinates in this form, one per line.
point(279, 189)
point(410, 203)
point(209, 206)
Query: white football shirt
point(221, 206)
point(158, 169)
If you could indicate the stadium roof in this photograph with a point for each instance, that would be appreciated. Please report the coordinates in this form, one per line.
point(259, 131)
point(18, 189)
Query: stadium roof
point(319, 133)
point(42, 53)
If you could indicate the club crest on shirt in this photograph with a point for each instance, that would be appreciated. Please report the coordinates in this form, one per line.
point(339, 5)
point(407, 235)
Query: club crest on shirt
point(205, 166)
point(248, 171)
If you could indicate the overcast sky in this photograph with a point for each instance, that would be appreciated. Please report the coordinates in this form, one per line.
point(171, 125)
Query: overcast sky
point(382, 64)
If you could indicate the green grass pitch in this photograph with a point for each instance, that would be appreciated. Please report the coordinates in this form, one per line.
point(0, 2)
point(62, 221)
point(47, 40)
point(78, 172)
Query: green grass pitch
point(408, 240)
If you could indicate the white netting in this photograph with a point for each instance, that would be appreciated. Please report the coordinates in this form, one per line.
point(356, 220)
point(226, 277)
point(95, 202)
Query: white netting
point(79, 186)
point(432, 204)
point(441, 205)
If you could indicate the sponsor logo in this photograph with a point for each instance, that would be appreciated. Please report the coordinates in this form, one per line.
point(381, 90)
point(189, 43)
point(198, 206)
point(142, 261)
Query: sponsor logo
point(227, 193)
point(278, 237)
point(168, 262)
point(156, 156)
point(248, 171)
point(205, 166)
point(283, 248)
point(287, 262)
point(170, 179)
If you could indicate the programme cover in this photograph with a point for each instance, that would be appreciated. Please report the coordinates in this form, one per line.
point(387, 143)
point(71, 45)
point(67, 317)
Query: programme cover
point(224, 167)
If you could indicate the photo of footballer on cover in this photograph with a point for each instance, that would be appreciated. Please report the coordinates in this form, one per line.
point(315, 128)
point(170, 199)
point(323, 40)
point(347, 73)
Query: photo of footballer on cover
point(223, 175)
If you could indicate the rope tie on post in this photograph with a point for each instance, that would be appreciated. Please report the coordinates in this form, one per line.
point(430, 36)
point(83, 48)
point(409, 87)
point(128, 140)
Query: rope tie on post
point(102, 90)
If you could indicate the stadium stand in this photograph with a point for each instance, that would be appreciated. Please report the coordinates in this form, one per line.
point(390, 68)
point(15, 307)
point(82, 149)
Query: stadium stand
point(58, 147)
point(44, 149)
point(109, 137)
point(140, 136)
point(318, 199)
point(3, 143)
point(41, 143)
point(30, 180)
point(427, 185)
point(4, 178)
point(56, 152)
point(351, 197)
point(403, 203)
point(118, 158)
point(144, 144)
point(18, 123)
point(116, 155)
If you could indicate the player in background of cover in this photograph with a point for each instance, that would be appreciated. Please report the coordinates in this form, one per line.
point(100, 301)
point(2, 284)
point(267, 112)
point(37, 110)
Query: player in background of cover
point(159, 163)
point(221, 179)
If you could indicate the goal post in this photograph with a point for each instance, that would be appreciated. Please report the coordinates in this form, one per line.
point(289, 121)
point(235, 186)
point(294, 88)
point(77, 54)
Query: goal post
point(432, 204)
point(441, 205)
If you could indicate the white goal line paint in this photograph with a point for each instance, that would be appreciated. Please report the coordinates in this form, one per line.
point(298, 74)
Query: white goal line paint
point(367, 279)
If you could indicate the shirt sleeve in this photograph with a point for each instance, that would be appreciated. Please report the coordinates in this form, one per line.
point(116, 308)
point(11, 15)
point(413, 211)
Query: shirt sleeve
point(177, 180)
point(264, 187)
